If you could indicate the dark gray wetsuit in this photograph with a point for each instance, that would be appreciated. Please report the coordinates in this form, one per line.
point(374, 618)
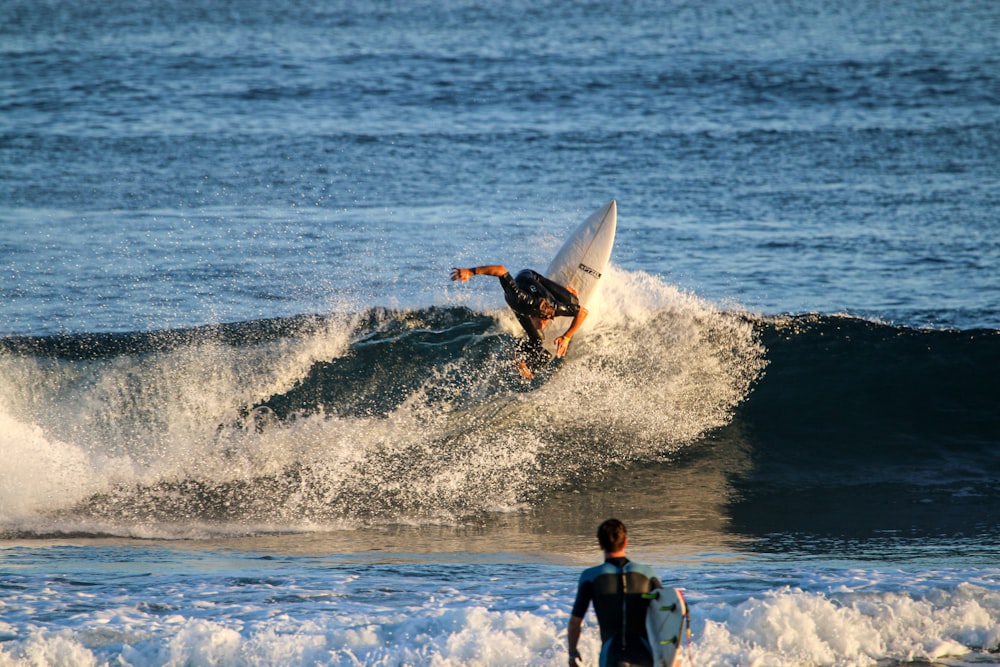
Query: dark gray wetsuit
point(616, 589)
point(524, 295)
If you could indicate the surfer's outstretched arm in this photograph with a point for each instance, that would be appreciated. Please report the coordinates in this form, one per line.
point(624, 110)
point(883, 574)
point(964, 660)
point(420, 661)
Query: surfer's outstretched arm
point(562, 343)
point(462, 275)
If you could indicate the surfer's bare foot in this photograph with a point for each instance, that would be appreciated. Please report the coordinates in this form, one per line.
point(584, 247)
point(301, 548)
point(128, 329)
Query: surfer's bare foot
point(525, 372)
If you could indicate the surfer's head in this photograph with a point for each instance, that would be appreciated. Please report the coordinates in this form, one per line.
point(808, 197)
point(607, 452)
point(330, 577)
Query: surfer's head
point(546, 309)
point(612, 536)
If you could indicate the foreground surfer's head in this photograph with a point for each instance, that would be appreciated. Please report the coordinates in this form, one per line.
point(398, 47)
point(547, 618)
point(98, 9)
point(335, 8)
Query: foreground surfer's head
point(612, 536)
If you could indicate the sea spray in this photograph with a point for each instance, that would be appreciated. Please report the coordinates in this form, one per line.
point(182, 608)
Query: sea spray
point(383, 416)
point(659, 367)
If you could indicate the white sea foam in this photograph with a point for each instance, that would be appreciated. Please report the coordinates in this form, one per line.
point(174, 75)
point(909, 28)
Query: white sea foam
point(36, 470)
point(793, 627)
point(659, 366)
point(424, 617)
point(130, 428)
point(71, 429)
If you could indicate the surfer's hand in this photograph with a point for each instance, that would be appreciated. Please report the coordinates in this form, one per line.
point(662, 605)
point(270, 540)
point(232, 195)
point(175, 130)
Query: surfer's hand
point(562, 345)
point(461, 275)
point(575, 660)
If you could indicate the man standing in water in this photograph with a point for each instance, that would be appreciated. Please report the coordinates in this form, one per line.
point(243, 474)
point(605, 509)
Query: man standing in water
point(616, 589)
point(535, 300)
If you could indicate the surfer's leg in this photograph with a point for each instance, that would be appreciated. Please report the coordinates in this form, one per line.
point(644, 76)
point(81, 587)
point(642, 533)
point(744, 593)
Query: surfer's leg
point(531, 357)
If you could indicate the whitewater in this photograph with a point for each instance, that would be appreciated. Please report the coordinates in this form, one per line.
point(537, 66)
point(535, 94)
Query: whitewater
point(410, 415)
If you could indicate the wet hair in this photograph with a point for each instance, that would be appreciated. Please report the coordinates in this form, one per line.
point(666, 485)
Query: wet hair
point(546, 309)
point(611, 535)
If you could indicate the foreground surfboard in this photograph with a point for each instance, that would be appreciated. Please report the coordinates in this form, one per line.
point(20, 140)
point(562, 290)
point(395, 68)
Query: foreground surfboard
point(666, 620)
point(583, 258)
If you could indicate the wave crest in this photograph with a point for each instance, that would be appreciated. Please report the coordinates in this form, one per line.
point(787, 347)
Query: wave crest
point(386, 416)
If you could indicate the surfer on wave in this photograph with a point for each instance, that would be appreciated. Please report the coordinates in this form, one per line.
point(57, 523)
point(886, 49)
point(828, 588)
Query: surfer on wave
point(536, 301)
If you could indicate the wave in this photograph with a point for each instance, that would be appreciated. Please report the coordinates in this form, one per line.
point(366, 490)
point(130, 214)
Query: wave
point(419, 415)
point(875, 391)
point(383, 415)
point(863, 428)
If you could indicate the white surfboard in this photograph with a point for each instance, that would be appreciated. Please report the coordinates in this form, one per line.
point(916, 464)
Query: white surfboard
point(666, 621)
point(582, 259)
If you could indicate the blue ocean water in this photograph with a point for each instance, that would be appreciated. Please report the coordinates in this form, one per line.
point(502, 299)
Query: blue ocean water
point(246, 419)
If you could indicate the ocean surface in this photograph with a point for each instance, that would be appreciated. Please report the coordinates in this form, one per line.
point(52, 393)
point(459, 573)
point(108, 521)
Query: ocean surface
point(246, 419)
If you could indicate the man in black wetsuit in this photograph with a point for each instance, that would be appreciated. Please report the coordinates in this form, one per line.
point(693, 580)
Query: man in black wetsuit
point(616, 589)
point(535, 300)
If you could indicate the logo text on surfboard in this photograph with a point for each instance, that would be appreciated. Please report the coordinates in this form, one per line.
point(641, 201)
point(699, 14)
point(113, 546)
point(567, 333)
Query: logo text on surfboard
point(584, 267)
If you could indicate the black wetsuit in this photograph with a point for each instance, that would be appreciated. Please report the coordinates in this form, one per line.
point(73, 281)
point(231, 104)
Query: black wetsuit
point(524, 294)
point(616, 589)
